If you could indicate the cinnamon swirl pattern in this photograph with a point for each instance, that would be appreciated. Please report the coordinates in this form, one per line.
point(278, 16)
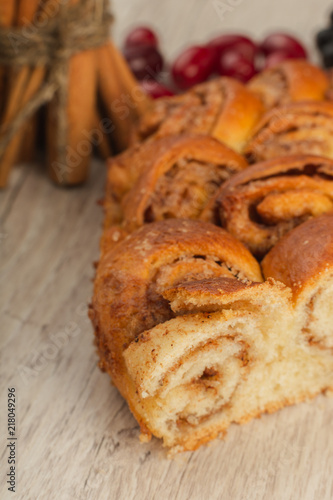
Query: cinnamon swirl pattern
point(222, 108)
point(303, 260)
point(291, 81)
point(296, 128)
point(264, 202)
point(179, 177)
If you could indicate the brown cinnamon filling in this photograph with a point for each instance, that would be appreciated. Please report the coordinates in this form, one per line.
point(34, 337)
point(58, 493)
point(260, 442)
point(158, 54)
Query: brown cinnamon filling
point(200, 107)
point(208, 373)
point(306, 330)
point(309, 169)
point(185, 190)
point(157, 309)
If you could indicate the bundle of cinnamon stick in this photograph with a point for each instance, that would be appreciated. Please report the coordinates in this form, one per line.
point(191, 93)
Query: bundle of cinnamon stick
point(60, 73)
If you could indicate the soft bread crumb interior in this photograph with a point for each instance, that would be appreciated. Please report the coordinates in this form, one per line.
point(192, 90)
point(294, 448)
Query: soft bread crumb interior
point(196, 374)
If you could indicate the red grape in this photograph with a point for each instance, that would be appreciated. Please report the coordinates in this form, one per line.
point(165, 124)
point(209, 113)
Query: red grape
point(281, 41)
point(144, 61)
point(234, 55)
point(194, 65)
point(233, 64)
point(245, 46)
point(155, 89)
point(141, 36)
point(277, 57)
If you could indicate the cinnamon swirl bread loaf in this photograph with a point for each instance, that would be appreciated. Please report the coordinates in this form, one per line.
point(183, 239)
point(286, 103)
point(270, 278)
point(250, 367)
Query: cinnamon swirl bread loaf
point(191, 334)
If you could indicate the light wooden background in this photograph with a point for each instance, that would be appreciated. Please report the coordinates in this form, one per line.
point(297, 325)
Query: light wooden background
point(76, 437)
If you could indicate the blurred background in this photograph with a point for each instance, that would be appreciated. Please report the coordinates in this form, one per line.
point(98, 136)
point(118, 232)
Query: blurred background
point(182, 22)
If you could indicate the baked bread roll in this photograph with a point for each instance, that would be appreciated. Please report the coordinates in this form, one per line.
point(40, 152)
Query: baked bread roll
point(132, 277)
point(303, 260)
point(262, 203)
point(177, 178)
point(296, 128)
point(172, 176)
point(292, 80)
point(223, 108)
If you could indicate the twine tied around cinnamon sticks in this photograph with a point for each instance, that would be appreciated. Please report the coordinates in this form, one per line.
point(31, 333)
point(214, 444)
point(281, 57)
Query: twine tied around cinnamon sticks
point(81, 26)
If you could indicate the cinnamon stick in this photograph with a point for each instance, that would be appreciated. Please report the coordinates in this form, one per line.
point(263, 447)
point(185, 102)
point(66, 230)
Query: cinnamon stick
point(28, 144)
point(128, 82)
point(7, 16)
point(101, 137)
point(7, 12)
point(110, 92)
point(25, 82)
point(120, 93)
point(72, 167)
point(29, 10)
point(26, 12)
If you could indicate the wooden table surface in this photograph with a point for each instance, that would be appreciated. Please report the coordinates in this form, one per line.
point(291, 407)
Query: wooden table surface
point(76, 436)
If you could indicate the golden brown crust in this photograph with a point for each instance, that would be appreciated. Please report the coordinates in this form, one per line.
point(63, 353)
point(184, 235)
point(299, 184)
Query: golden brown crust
point(239, 115)
point(222, 108)
point(216, 293)
point(111, 237)
point(292, 80)
point(132, 276)
point(303, 255)
point(264, 202)
point(295, 128)
point(178, 178)
point(125, 169)
point(218, 287)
